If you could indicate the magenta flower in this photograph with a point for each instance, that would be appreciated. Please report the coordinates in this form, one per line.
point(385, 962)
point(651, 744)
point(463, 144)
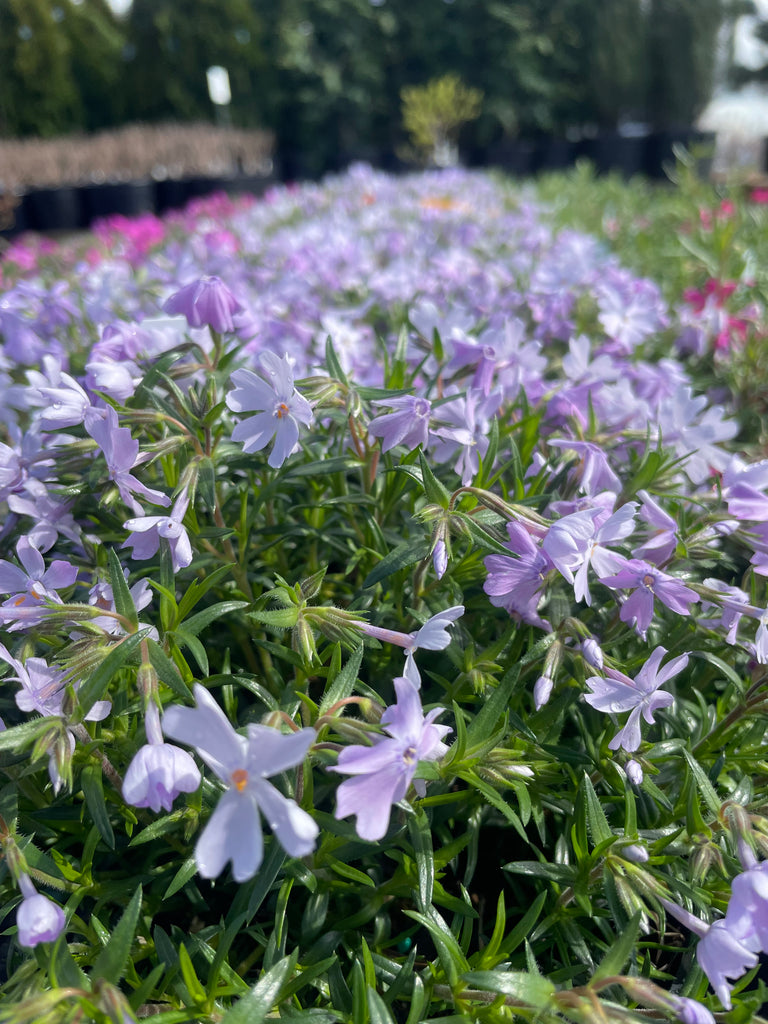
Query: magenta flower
point(38, 918)
point(383, 772)
point(205, 302)
point(280, 408)
point(648, 583)
point(640, 696)
point(159, 771)
point(233, 832)
point(147, 531)
point(407, 425)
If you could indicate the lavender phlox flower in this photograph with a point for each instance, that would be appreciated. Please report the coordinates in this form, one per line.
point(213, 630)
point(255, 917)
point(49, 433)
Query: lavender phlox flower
point(721, 955)
point(579, 367)
point(147, 531)
point(101, 596)
point(243, 764)
point(516, 583)
point(20, 342)
point(579, 540)
point(629, 309)
point(432, 636)
point(517, 361)
point(758, 537)
point(760, 647)
point(51, 518)
point(661, 544)
point(647, 582)
point(38, 918)
point(282, 407)
point(617, 693)
point(733, 603)
point(407, 425)
point(25, 464)
point(689, 1011)
point(159, 771)
point(31, 586)
point(42, 690)
point(117, 380)
point(468, 420)
point(695, 428)
point(427, 318)
point(383, 772)
point(63, 401)
point(747, 913)
point(743, 488)
point(593, 471)
point(205, 302)
point(121, 452)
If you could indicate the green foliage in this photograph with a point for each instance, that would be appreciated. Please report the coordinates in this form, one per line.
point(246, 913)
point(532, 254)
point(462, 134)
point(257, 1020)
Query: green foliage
point(433, 114)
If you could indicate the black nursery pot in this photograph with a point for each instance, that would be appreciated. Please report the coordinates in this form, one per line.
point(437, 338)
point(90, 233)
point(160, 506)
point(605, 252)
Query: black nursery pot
point(129, 198)
point(53, 209)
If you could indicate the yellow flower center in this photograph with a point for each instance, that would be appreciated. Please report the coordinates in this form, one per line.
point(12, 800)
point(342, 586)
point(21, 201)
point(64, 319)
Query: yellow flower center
point(239, 779)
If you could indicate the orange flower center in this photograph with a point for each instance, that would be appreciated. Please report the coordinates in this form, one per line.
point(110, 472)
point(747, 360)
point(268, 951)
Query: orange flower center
point(282, 410)
point(239, 779)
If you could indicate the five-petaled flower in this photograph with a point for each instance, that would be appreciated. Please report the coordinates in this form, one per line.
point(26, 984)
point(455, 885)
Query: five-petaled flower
point(243, 764)
point(383, 772)
point(279, 405)
point(639, 696)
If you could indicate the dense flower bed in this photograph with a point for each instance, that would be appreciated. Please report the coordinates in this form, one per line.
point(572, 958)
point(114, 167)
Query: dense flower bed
point(390, 514)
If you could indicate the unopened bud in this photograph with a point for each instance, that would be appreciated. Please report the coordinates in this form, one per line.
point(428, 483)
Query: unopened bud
point(310, 587)
point(592, 652)
point(634, 771)
point(146, 679)
point(542, 690)
point(303, 641)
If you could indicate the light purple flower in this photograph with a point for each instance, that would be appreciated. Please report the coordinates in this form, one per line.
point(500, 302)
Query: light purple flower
point(407, 425)
point(593, 472)
point(38, 918)
point(383, 772)
point(432, 636)
point(720, 953)
point(648, 583)
point(634, 771)
point(660, 546)
point(722, 956)
point(121, 452)
point(51, 518)
point(64, 402)
point(205, 302)
point(243, 764)
point(747, 914)
point(639, 696)
point(32, 586)
point(147, 531)
point(282, 408)
point(579, 540)
point(469, 419)
point(516, 583)
point(159, 771)
point(689, 1011)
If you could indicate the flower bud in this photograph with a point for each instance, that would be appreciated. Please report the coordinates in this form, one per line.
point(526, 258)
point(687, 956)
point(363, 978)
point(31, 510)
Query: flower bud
point(634, 771)
point(38, 918)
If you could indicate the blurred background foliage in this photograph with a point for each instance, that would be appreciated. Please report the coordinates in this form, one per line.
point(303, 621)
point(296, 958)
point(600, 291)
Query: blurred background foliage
point(326, 75)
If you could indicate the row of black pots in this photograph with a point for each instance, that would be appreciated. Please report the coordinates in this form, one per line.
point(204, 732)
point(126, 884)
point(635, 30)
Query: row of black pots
point(650, 154)
point(72, 208)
